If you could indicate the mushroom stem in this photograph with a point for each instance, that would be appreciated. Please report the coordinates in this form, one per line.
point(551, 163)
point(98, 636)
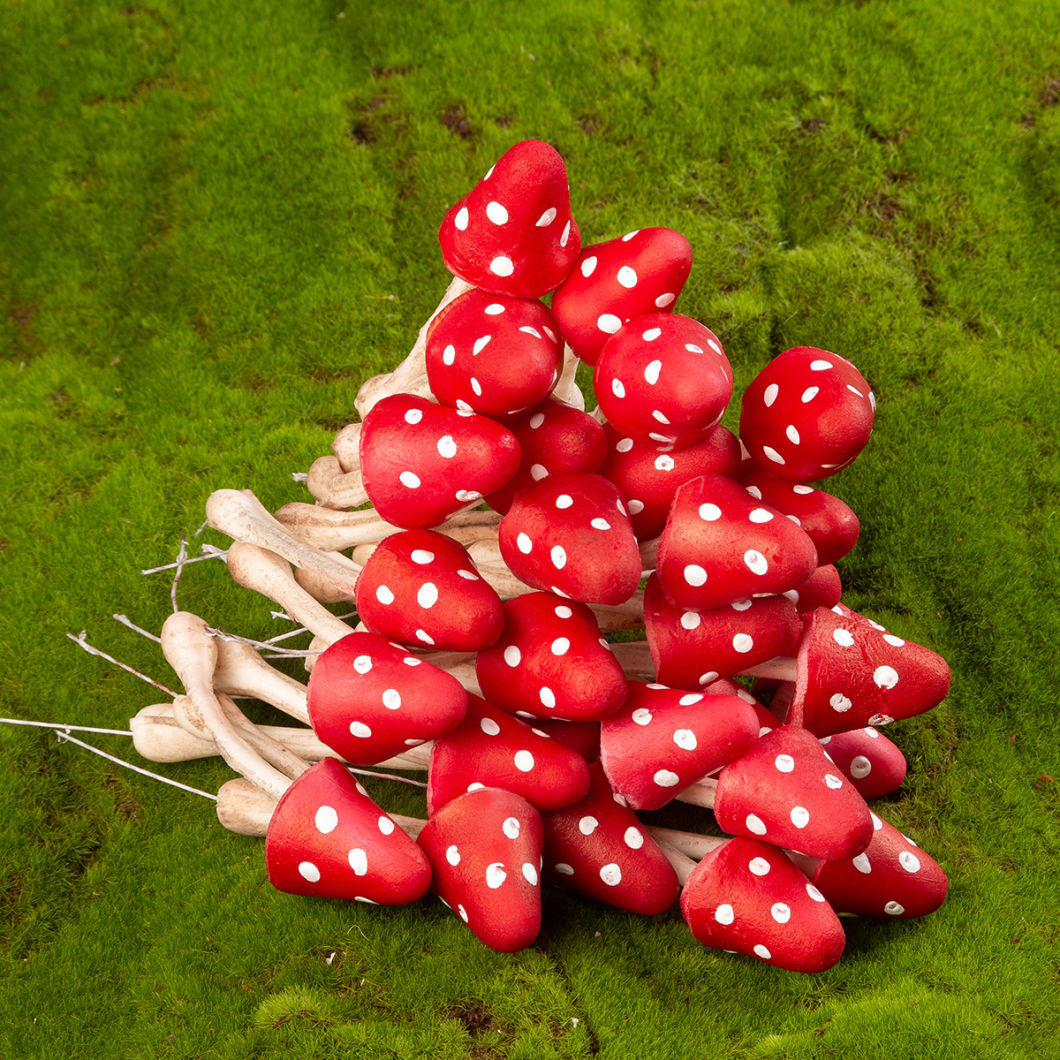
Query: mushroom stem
point(701, 793)
point(636, 659)
point(333, 487)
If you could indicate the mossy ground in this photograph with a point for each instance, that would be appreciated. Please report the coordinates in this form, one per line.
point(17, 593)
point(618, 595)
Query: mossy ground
point(218, 219)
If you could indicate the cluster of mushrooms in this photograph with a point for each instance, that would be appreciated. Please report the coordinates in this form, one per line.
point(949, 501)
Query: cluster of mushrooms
point(553, 606)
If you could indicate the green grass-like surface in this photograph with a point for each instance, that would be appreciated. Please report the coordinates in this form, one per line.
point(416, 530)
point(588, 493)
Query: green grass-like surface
point(217, 220)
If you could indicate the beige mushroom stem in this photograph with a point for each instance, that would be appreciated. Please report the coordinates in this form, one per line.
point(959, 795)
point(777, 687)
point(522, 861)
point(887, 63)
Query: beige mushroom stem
point(269, 574)
point(346, 445)
point(244, 809)
point(635, 658)
point(412, 371)
point(240, 515)
point(328, 529)
point(192, 653)
point(334, 488)
point(684, 849)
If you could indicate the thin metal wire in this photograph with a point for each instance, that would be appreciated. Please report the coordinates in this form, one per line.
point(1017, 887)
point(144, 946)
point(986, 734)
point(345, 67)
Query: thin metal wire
point(55, 726)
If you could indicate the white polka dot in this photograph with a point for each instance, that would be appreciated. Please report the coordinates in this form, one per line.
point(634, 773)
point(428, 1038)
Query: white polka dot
point(611, 874)
point(724, 914)
point(814, 894)
point(588, 824)
point(409, 480)
point(832, 781)
point(392, 699)
point(709, 513)
point(564, 869)
point(538, 472)
point(862, 864)
point(843, 637)
point(780, 912)
point(358, 728)
point(820, 366)
point(664, 463)
point(566, 235)
point(493, 309)
point(563, 611)
point(547, 697)
point(840, 703)
point(635, 506)
point(651, 334)
point(809, 394)
point(461, 912)
point(742, 605)
point(685, 739)
point(358, 861)
point(693, 348)
point(909, 861)
point(617, 388)
point(691, 699)
point(659, 417)
point(759, 866)
point(413, 416)
point(560, 646)
point(480, 344)
point(446, 446)
point(691, 620)
point(467, 495)
point(461, 219)
point(652, 371)
point(502, 266)
point(633, 837)
point(668, 298)
point(384, 595)
point(885, 676)
point(627, 277)
point(784, 763)
point(448, 359)
point(524, 544)
point(695, 575)
point(510, 827)
point(362, 664)
point(608, 323)
point(665, 778)
point(755, 562)
point(524, 761)
point(496, 213)
point(800, 816)
point(495, 875)
point(860, 767)
point(641, 716)
point(546, 218)
point(760, 515)
point(308, 871)
point(769, 395)
point(386, 825)
point(489, 726)
point(743, 643)
point(771, 454)
point(428, 595)
point(894, 909)
point(559, 557)
point(326, 820)
point(762, 951)
point(452, 854)
point(709, 677)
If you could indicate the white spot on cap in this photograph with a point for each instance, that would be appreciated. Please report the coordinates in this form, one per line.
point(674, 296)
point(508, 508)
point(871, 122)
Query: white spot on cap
point(695, 575)
point(651, 334)
point(885, 676)
point(742, 643)
point(760, 515)
point(446, 446)
point(755, 562)
point(862, 864)
point(524, 544)
point(840, 703)
point(633, 838)
point(428, 595)
point(709, 512)
point(308, 871)
point(495, 875)
point(358, 861)
point(809, 394)
point(421, 556)
point(641, 716)
point(759, 866)
point(724, 914)
point(832, 781)
point(843, 637)
point(326, 819)
point(566, 235)
point(685, 739)
point(493, 309)
point(762, 951)
point(496, 212)
point(461, 219)
point(771, 454)
point(510, 827)
point(784, 763)
point(502, 266)
point(546, 218)
point(651, 372)
point(564, 869)
point(755, 824)
point(547, 697)
point(792, 434)
point(391, 699)
point(588, 824)
point(909, 861)
point(894, 909)
point(409, 479)
point(358, 728)
point(524, 761)
point(384, 595)
point(800, 816)
point(489, 726)
point(860, 767)
point(413, 416)
point(769, 395)
point(480, 344)
point(617, 388)
point(780, 912)
point(611, 874)
point(627, 277)
point(666, 778)
point(560, 646)
point(452, 854)
point(665, 299)
point(512, 655)
point(559, 557)
point(820, 366)
point(690, 620)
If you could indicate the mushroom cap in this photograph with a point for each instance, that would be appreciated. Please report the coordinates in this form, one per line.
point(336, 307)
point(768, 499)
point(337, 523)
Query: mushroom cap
point(550, 661)
point(493, 354)
point(806, 415)
point(421, 588)
point(664, 739)
point(422, 462)
point(485, 849)
point(598, 848)
point(492, 748)
point(553, 438)
point(663, 378)
point(823, 588)
point(641, 272)
point(747, 897)
point(571, 534)
point(720, 544)
point(891, 878)
point(830, 522)
point(787, 790)
point(691, 649)
point(648, 478)
point(513, 233)
point(851, 672)
point(871, 762)
point(370, 699)
point(328, 838)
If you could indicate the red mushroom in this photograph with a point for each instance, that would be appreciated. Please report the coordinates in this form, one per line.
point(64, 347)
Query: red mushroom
point(551, 661)
point(691, 648)
point(492, 748)
point(421, 588)
point(720, 544)
point(571, 534)
point(513, 233)
point(422, 462)
point(664, 739)
point(663, 378)
point(369, 699)
point(871, 762)
point(599, 849)
point(641, 272)
point(328, 838)
point(806, 415)
point(493, 354)
point(648, 478)
point(823, 588)
point(851, 672)
point(747, 897)
point(485, 849)
point(553, 438)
